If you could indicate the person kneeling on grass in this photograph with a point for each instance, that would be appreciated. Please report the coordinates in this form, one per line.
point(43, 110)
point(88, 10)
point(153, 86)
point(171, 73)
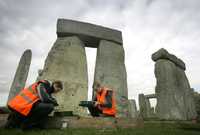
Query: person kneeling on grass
point(104, 102)
point(30, 108)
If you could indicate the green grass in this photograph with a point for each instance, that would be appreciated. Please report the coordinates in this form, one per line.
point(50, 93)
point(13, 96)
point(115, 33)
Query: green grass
point(148, 129)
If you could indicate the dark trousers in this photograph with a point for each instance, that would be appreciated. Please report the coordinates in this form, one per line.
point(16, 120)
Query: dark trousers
point(36, 117)
point(94, 111)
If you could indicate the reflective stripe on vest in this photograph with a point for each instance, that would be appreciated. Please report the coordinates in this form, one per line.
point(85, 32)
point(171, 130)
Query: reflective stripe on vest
point(26, 97)
point(101, 98)
point(24, 101)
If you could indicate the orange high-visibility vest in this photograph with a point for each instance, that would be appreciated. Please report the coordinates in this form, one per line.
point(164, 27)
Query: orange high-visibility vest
point(102, 99)
point(23, 102)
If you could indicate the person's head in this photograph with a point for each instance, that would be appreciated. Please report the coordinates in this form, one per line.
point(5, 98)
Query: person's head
point(97, 86)
point(57, 86)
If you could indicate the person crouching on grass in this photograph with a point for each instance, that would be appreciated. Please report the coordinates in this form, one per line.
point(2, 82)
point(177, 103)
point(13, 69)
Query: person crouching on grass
point(31, 106)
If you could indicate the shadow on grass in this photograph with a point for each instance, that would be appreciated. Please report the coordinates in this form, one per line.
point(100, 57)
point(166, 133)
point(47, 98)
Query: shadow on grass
point(191, 129)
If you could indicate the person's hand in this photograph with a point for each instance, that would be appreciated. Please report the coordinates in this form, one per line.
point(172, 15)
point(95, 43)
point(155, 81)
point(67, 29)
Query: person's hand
point(54, 101)
point(96, 103)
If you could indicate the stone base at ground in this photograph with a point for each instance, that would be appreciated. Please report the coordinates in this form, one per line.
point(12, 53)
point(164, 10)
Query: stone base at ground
point(86, 122)
point(83, 122)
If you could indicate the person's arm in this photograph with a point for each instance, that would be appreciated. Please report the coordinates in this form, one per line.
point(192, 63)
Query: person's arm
point(44, 96)
point(108, 102)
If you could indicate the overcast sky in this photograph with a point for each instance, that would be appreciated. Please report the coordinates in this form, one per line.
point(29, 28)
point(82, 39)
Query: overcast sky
point(147, 25)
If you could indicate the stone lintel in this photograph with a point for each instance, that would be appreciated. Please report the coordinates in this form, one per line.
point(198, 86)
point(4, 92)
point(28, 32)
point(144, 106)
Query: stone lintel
point(90, 34)
point(164, 54)
point(151, 96)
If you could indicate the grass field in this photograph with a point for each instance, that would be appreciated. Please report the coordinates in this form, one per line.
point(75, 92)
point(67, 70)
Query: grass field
point(148, 129)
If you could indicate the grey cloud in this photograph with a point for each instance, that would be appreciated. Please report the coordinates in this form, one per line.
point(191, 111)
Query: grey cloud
point(32, 24)
point(149, 2)
point(117, 4)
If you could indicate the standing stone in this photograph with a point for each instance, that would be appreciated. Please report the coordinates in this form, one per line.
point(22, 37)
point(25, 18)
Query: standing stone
point(132, 109)
point(174, 96)
point(67, 62)
point(196, 96)
point(142, 106)
point(21, 74)
point(110, 71)
point(145, 107)
point(148, 106)
point(152, 112)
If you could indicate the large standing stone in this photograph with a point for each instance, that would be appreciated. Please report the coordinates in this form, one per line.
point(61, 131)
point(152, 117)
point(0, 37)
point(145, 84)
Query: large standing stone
point(110, 71)
point(67, 62)
point(148, 106)
point(145, 107)
point(174, 96)
point(133, 109)
point(21, 74)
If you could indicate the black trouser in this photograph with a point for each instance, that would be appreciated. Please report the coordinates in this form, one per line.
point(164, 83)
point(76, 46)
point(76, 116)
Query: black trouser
point(94, 111)
point(37, 116)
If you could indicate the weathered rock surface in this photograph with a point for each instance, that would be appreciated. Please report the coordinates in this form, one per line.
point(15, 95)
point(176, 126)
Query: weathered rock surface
point(151, 96)
point(174, 98)
point(83, 122)
point(67, 62)
point(145, 107)
point(110, 71)
point(196, 96)
point(164, 54)
point(148, 105)
point(21, 74)
point(132, 109)
point(90, 34)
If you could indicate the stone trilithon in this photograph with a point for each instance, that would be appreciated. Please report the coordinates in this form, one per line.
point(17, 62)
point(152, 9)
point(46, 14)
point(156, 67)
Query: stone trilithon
point(66, 61)
point(174, 95)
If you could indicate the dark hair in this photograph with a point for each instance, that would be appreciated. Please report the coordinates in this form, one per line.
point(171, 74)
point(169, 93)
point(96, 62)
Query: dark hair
point(96, 85)
point(58, 83)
